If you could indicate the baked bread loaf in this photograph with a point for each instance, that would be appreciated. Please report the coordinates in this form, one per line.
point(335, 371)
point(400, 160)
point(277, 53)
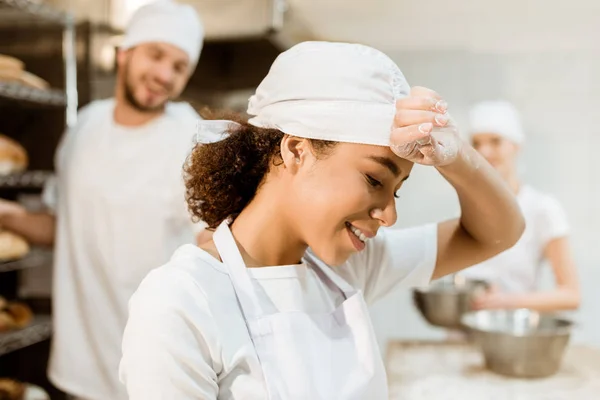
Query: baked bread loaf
point(14, 315)
point(8, 62)
point(21, 314)
point(33, 81)
point(10, 75)
point(12, 246)
point(11, 69)
point(13, 156)
point(11, 390)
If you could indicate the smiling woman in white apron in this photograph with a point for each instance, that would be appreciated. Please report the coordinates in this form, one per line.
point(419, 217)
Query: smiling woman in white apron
point(496, 132)
point(301, 196)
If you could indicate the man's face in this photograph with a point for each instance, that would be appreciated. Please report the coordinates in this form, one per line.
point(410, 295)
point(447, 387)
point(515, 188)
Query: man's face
point(152, 74)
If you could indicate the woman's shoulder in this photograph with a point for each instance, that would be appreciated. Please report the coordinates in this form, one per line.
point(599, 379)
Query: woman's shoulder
point(190, 275)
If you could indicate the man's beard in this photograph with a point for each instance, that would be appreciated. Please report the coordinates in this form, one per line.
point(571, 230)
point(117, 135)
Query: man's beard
point(130, 97)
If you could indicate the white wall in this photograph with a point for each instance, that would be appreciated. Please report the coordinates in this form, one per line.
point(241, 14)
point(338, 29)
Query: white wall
point(548, 63)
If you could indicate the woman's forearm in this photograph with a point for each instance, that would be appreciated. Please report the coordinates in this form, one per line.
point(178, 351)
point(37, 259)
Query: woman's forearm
point(489, 211)
point(555, 300)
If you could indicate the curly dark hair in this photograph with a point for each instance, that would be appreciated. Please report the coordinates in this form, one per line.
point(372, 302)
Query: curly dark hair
point(221, 178)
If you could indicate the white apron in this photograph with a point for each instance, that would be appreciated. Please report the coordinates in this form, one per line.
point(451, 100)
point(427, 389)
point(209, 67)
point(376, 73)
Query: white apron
point(328, 356)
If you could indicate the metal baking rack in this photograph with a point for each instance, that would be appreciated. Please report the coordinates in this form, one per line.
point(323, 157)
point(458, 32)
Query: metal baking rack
point(37, 257)
point(25, 180)
point(39, 330)
point(17, 13)
point(17, 92)
point(30, 12)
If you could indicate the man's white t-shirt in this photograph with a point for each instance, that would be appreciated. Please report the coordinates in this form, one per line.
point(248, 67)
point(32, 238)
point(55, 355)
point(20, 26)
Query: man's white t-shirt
point(518, 268)
point(186, 337)
point(121, 212)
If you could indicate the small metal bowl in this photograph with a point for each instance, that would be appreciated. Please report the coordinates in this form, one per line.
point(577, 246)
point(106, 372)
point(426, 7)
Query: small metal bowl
point(443, 303)
point(520, 343)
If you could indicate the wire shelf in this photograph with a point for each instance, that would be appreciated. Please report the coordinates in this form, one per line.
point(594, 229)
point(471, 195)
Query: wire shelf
point(16, 91)
point(16, 12)
point(25, 180)
point(36, 258)
point(39, 330)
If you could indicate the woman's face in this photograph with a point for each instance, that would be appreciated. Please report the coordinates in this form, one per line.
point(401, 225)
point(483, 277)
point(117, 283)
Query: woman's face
point(501, 153)
point(339, 200)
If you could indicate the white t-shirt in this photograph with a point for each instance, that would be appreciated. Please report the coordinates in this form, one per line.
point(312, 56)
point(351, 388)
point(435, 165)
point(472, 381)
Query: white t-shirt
point(518, 268)
point(120, 207)
point(186, 337)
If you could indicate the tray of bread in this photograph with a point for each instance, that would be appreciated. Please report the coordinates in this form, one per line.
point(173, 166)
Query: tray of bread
point(24, 259)
point(19, 327)
point(11, 389)
point(14, 315)
point(13, 156)
point(16, 83)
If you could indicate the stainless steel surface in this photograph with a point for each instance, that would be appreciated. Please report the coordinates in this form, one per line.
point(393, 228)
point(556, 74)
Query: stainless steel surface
point(521, 343)
point(444, 302)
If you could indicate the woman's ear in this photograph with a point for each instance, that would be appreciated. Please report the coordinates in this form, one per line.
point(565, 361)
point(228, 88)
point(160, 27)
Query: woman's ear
point(295, 151)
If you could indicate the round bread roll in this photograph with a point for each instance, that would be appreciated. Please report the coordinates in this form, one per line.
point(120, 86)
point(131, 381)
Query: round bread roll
point(12, 246)
point(11, 390)
point(13, 156)
point(33, 81)
point(9, 75)
point(6, 322)
point(8, 62)
point(20, 313)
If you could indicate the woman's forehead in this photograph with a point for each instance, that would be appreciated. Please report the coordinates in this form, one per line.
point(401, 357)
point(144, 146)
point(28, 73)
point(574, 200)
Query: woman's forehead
point(377, 154)
point(486, 136)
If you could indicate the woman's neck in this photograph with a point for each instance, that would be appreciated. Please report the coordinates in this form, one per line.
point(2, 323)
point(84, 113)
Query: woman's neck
point(264, 235)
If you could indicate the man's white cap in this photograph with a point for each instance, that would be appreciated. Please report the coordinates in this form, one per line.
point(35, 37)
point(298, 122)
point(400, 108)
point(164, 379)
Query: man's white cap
point(168, 22)
point(498, 117)
point(330, 91)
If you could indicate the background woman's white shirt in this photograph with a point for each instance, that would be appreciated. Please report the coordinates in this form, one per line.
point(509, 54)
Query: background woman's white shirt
point(186, 337)
point(518, 269)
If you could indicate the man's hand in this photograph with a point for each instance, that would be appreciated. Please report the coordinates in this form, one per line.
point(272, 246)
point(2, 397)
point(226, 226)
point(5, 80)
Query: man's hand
point(9, 209)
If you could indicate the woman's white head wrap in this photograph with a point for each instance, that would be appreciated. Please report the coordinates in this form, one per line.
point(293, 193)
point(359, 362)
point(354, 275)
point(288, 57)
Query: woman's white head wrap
point(166, 21)
point(330, 91)
point(498, 117)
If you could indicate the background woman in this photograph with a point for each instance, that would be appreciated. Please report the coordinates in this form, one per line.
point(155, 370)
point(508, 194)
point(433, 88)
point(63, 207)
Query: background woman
point(496, 133)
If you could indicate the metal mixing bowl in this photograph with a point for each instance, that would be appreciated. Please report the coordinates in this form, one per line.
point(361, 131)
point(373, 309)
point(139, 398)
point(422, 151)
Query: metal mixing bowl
point(521, 343)
point(444, 302)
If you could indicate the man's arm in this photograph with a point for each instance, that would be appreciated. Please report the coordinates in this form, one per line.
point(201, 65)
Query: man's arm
point(36, 228)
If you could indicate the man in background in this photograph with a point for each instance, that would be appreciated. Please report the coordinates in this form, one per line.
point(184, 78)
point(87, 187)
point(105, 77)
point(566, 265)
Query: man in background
point(118, 204)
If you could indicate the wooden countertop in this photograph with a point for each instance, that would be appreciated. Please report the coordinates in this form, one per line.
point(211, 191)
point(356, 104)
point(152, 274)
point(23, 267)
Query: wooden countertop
point(427, 370)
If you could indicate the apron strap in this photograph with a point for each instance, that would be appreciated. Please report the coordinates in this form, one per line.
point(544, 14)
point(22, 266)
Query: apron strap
point(236, 268)
point(330, 274)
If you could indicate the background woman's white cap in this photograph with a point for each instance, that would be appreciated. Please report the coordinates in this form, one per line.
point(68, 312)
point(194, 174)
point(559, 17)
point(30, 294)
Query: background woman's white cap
point(330, 91)
point(168, 22)
point(498, 117)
